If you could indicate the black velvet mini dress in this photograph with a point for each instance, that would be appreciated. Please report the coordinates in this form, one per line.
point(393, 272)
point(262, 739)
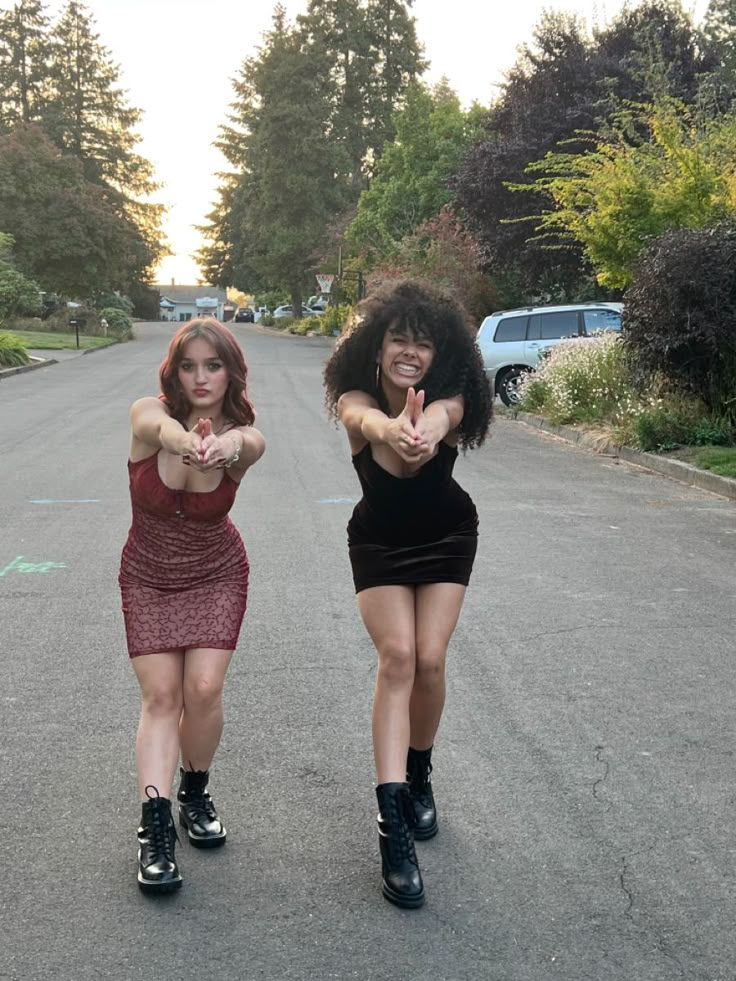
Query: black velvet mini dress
point(411, 530)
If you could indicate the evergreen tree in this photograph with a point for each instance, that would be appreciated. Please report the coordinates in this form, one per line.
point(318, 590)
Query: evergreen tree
point(269, 226)
point(88, 114)
point(336, 34)
point(22, 62)
point(398, 61)
point(371, 52)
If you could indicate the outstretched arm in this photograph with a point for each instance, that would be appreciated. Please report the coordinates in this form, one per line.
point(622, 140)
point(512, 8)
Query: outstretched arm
point(152, 425)
point(363, 420)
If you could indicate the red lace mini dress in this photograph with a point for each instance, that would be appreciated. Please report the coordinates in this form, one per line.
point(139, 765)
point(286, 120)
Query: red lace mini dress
point(184, 569)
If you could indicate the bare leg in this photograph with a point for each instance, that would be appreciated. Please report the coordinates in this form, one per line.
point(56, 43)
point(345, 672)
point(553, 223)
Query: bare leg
point(388, 614)
point(201, 722)
point(437, 609)
point(157, 743)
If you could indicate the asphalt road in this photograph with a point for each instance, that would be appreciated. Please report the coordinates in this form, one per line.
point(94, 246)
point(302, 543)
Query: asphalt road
point(585, 767)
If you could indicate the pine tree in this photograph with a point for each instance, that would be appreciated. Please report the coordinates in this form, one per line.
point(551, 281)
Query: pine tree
point(269, 225)
point(372, 54)
point(22, 63)
point(336, 32)
point(88, 114)
point(398, 61)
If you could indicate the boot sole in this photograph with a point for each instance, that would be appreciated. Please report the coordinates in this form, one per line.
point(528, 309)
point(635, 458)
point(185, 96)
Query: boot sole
point(213, 842)
point(425, 833)
point(159, 887)
point(405, 902)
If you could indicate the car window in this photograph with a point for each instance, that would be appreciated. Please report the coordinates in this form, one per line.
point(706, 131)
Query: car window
point(511, 329)
point(562, 324)
point(601, 320)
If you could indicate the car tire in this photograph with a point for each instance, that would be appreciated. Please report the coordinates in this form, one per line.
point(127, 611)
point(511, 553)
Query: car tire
point(507, 384)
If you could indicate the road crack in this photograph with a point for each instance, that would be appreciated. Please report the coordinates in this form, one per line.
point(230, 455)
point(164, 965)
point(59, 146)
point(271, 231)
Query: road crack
point(601, 780)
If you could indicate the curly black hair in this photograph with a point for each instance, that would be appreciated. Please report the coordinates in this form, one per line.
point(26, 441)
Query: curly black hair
point(457, 367)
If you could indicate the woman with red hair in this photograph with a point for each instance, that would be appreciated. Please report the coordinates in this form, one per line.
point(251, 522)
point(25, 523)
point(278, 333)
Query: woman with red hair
point(184, 581)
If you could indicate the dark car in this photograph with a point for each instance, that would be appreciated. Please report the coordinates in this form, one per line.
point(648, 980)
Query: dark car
point(244, 315)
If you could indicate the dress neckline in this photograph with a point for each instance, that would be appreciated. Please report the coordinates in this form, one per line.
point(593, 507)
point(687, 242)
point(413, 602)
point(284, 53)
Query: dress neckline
point(177, 490)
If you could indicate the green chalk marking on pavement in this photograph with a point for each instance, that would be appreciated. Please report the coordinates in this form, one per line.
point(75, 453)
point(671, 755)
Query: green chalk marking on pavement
point(19, 566)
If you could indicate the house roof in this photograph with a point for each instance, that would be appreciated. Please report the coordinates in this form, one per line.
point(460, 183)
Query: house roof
point(188, 294)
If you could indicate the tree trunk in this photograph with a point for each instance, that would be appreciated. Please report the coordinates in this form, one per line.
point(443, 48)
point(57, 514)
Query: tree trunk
point(296, 302)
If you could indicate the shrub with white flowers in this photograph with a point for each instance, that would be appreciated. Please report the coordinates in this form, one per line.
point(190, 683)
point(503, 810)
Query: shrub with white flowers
point(582, 381)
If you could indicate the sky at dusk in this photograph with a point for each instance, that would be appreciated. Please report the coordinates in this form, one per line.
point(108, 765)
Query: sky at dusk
point(178, 57)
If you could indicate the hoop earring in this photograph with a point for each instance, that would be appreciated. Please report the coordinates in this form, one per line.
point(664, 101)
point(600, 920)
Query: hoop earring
point(378, 376)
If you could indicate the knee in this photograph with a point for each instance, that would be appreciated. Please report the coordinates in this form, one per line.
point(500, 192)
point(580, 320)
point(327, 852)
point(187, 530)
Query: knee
point(430, 668)
point(202, 695)
point(162, 701)
point(396, 662)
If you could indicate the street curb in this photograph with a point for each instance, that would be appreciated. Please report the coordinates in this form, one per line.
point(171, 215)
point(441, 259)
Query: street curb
point(686, 473)
point(102, 347)
point(21, 369)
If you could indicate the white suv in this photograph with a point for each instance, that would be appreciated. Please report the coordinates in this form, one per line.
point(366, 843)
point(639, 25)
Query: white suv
point(512, 341)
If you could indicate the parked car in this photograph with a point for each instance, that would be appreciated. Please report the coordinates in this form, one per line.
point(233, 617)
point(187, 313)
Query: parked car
point(512, 341)
point(287, 311)
point(244, 315)
point(318, 304)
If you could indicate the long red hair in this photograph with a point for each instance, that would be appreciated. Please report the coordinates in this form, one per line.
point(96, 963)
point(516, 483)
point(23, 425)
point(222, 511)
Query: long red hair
point(236, 405)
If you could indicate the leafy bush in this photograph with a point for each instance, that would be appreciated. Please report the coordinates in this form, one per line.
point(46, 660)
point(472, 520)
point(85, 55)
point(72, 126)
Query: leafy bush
point(118, 323)
point(680, 313)
point(581, 381)
point(18, 295)
point(675, 421)
point(13, 351)
point(334, 319)
point(107, 301)
point(267, 319)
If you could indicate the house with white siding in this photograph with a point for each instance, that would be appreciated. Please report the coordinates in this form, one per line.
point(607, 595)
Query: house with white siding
point(182, 303)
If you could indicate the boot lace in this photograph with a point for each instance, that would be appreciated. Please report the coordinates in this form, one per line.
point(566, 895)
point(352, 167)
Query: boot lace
point(202, 807)
point(162, 830)
point(400, 837)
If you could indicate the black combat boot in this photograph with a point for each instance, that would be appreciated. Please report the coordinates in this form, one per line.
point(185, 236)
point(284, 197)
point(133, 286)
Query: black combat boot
point(402, 880)
point(197, 810)
point(157, 837)
point(418, 769)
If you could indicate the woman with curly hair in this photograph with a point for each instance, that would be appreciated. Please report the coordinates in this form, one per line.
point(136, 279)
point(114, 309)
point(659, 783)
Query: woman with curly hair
point(406, 380)
point(184, 581)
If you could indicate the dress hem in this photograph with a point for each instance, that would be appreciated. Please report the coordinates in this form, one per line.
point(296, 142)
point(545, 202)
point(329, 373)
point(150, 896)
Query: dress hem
point(456, 581)
point(219, 646)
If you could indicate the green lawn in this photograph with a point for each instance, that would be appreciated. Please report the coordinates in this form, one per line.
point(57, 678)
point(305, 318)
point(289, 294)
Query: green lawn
point(717, 459)
point(53, 341)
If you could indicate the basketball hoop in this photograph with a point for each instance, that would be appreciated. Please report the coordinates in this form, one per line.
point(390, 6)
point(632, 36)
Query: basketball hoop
point(325, 281)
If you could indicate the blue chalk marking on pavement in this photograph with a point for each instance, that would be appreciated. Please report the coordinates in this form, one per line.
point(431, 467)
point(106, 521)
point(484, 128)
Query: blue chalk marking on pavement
point(51, 500)
point(18, 566)
point(337, 500)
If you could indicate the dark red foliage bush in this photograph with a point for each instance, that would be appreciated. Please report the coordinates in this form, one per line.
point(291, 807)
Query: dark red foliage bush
point(680, 313)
